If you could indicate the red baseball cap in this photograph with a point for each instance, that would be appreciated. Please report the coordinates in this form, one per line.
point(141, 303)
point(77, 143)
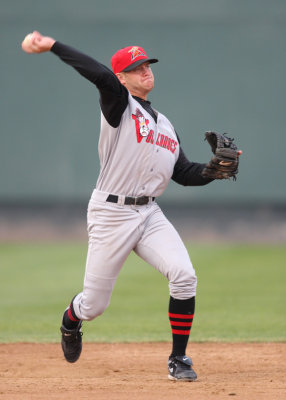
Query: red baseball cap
point(128, 58)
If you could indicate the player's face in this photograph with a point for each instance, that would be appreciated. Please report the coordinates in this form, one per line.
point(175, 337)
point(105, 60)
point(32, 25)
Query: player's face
point(139, 81)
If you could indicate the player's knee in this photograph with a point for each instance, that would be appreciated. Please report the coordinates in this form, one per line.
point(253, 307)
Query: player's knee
point(91, 307)
point(90, 312)
point(184, 284)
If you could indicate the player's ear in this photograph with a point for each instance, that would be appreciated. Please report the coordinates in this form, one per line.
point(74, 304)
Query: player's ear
point(121, 77)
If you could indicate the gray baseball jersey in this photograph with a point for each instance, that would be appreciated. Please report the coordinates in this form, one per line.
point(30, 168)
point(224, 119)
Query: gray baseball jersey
point(137, 158)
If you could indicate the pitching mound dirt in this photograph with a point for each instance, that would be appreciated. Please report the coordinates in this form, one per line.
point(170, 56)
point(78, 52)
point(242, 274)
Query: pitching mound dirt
point(139, 371)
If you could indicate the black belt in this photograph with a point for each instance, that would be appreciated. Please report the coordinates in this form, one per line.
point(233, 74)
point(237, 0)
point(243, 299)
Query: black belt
point(135, 201)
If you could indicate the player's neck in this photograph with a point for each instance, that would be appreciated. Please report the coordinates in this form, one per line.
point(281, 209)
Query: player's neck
point(142, 96)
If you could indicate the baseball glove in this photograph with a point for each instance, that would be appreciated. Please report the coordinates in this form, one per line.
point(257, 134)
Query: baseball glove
point(224, 163)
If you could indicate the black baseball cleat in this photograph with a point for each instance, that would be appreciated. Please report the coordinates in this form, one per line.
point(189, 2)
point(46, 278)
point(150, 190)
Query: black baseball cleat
point(180, 369)
point(72, 343)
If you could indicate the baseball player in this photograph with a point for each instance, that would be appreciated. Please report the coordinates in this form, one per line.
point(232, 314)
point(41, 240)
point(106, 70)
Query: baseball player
point(139, 153)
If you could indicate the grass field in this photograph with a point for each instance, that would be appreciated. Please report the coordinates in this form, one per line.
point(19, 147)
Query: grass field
point(241, 295)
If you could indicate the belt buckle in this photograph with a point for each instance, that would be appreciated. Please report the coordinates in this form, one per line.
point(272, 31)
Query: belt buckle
point(135, 201)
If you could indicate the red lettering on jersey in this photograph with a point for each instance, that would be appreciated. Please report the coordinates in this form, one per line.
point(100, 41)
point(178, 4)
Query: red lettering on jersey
point(150, 137)
point(175, 146)
point(158, 142)
point(142, 130)
point(139, 138)
point(169, 144)
point(165, 142)
point(162, 138)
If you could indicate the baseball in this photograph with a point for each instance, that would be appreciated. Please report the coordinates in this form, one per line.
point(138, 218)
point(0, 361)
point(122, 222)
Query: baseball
point(27, 43)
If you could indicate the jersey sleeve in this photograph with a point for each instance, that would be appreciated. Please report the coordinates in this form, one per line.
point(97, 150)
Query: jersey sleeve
point(188, 173)
point(113, 95)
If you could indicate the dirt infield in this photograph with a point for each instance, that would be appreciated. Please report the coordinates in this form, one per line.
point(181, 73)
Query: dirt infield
point(138, 371)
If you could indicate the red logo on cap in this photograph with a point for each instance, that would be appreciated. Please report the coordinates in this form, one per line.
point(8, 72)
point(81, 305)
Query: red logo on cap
point(135, 52)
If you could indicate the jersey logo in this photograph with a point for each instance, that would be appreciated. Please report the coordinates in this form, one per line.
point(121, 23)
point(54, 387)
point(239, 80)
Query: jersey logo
point(135, 52)
point(143, 130)
point(141, 123)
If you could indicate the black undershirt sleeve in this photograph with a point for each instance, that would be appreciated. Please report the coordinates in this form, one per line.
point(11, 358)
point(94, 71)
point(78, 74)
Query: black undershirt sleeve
point(113, 95)
point(188, 173)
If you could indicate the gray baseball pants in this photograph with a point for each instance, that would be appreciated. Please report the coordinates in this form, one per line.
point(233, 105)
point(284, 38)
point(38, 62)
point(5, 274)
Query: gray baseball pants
point(114, 231)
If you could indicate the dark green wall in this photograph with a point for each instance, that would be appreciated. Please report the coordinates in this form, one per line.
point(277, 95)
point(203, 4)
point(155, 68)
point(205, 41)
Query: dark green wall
point(222, 67)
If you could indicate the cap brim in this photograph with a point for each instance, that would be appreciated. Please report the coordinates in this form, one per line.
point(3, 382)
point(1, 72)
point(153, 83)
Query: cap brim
point(139, 62)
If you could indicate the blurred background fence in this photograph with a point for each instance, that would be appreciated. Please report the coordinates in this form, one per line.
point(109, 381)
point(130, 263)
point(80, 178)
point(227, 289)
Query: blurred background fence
point(222, 67)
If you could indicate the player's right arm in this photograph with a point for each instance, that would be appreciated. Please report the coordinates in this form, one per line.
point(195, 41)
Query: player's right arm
point(113, 95)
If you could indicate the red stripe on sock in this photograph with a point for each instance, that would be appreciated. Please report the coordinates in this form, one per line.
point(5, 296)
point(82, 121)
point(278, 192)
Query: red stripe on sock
point(178, 332)
point(182, 316)
point(71, 316)
point(178, 323)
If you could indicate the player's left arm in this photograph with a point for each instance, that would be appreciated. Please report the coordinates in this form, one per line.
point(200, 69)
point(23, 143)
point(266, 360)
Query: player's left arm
point(189, 173)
